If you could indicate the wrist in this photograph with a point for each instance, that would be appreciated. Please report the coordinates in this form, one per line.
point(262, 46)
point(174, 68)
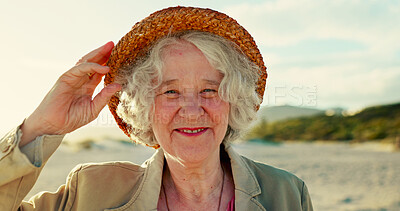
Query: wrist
point(29, 132)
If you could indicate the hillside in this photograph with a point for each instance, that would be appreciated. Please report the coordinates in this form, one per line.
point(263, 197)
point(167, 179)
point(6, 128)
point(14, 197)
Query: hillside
point(378, 122)
point(278, 113)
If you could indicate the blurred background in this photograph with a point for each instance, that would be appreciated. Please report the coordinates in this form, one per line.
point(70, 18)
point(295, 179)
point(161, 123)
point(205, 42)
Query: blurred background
point(333, 82)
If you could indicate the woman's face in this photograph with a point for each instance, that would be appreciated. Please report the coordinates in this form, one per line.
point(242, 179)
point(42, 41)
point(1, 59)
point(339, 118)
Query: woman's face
point(190, 119)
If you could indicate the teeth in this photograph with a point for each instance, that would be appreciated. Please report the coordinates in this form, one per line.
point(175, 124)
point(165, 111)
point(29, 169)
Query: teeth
point(193, 131)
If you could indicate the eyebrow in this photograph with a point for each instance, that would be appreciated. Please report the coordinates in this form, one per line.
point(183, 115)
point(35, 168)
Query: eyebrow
point(166, 83)
point(169, 82)
point(212, 82)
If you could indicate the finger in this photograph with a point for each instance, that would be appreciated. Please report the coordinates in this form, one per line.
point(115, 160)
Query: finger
point(101, 99)
point(92, 84)
point(82, 73)
point(99, 55)
point(95, 79)
point(88, 69)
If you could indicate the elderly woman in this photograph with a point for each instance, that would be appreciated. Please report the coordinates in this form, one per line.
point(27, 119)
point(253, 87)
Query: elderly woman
point(184, 80)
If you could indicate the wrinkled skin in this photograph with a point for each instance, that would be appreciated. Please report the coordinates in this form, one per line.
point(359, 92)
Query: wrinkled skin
point(69, 104)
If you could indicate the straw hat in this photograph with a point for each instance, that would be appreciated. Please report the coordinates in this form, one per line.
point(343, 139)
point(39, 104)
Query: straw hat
point(172, 20)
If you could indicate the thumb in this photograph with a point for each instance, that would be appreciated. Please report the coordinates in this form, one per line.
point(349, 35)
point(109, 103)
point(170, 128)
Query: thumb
point(101, 99)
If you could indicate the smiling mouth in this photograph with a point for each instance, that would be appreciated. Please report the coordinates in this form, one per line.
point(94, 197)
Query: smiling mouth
point(191, 131)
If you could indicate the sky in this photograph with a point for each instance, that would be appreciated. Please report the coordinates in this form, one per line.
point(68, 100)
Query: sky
point(319, 54)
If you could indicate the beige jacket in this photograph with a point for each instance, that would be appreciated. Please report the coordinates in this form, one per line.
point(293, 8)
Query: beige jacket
point(127, 186)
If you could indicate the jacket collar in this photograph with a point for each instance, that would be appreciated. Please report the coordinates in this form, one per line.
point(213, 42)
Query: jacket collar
point(147, 194)
point(246, 184)
point(244, 178)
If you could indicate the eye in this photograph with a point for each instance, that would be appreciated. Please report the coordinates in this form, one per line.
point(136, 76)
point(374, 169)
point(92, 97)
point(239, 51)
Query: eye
point(171, 93)
point(209, 90)
point(209, 93)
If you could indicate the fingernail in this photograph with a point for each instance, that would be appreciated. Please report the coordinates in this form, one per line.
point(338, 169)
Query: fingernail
point(110, 43)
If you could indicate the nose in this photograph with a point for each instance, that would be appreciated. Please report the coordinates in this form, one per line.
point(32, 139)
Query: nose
point(190, 106)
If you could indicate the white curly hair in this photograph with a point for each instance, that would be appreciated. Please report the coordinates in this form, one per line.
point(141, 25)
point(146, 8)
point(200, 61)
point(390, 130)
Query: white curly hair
point(139, 82)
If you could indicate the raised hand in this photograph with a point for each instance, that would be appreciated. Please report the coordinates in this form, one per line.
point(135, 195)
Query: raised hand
point(69, 104)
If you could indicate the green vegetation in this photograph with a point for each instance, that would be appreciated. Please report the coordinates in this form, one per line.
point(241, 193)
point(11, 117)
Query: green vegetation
point(373, 123)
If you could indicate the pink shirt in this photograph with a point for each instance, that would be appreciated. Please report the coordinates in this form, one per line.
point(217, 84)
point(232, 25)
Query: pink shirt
point(231, 205)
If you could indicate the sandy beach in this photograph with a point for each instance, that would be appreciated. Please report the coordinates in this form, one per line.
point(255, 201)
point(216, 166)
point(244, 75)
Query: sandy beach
point(339, 176)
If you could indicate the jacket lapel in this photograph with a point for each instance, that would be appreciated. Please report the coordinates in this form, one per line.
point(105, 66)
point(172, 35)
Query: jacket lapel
point(147, 194)
point(246, 184)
